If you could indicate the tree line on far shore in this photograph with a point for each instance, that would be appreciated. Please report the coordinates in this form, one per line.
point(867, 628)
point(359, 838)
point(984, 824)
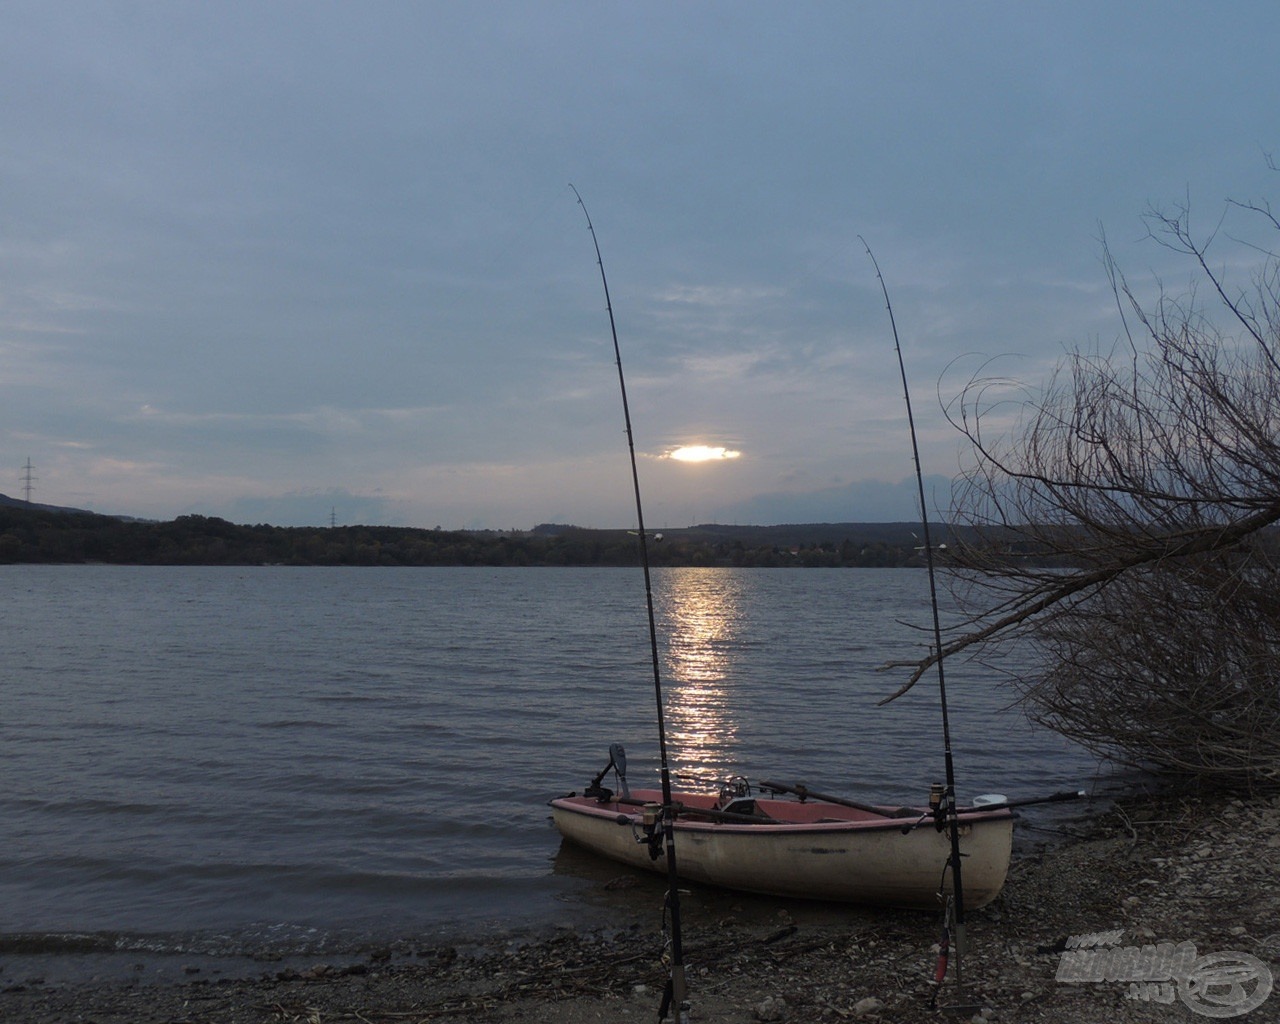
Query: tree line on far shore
point(34, 535)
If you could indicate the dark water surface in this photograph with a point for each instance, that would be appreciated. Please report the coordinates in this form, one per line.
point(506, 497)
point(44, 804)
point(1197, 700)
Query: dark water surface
point(220, 761)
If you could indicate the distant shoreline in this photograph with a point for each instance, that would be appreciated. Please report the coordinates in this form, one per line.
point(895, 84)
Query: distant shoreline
point(37, 535)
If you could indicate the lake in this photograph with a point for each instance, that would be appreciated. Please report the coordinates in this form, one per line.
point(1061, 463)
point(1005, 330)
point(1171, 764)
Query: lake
point(284, 761)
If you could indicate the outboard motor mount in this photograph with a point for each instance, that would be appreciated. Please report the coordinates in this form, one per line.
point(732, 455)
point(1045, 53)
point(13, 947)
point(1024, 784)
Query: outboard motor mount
point(618, 764)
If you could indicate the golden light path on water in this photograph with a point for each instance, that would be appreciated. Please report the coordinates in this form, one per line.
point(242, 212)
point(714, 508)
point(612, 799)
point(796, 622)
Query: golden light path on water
point(702, 612)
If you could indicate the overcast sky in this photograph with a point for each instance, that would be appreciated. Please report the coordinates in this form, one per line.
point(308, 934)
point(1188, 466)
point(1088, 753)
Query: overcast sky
point(278, 262)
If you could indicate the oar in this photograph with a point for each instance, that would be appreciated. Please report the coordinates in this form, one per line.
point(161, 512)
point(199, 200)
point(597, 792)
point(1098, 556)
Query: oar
point(1026, 801)
point(804, 793)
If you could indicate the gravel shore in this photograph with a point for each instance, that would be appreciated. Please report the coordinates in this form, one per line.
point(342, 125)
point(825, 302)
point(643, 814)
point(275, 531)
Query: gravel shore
point(1176, 870)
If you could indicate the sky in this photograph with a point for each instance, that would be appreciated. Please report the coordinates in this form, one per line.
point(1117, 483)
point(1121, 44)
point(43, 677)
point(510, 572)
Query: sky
point(313, 262)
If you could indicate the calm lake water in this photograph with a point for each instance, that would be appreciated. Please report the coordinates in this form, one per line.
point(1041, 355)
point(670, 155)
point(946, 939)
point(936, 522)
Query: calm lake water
point(221, 761)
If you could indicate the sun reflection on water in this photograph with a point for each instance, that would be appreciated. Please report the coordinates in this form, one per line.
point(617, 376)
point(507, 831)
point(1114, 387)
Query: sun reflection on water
point(702, 613)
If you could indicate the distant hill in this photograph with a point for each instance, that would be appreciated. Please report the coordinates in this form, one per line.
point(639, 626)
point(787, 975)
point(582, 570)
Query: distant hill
point(7, 501)
point(40, 533)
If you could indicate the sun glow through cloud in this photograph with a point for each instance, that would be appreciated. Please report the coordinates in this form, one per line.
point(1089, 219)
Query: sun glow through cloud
point(702, 453)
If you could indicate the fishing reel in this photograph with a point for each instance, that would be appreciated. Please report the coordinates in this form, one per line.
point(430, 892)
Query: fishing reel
point(652, 831)
point(939, 805)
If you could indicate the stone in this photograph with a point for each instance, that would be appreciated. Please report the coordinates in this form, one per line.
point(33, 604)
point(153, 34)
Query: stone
point(773, 1008)
point(870, 1004)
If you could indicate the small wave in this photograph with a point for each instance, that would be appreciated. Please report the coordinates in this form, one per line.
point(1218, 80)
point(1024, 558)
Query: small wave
point(42, 943)
point(255, 939)
point(350, 698)
point(96, 805)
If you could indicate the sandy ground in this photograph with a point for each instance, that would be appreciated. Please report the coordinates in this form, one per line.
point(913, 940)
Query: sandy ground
point(1178, 871)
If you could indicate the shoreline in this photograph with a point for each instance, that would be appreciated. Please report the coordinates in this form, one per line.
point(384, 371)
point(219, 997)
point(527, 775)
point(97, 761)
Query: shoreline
point(1147, 871)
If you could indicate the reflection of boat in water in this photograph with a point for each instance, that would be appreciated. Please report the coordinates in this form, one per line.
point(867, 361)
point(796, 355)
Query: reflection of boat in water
point(809, 848)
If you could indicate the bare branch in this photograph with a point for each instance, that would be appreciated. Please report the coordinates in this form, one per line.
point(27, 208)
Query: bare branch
point(1120, 521)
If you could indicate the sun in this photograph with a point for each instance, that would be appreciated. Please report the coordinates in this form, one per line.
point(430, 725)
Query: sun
point(702, 453)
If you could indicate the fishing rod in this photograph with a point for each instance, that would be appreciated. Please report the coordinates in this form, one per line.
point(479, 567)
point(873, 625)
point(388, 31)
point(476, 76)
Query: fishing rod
point(949, 795)
point(676, 993)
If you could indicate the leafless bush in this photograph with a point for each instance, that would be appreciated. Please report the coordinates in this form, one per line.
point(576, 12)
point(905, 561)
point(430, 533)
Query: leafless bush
point(1121, 527)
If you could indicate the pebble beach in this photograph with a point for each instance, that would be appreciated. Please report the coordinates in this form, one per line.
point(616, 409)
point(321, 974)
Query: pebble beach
point(1147, 873)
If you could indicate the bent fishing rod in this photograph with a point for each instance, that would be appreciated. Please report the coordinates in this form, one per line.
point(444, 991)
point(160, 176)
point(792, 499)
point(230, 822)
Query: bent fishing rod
point(949, 797)
point(676, 993)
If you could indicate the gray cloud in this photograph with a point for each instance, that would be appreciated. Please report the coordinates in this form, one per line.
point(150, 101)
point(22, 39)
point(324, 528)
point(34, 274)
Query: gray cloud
point(260, 257)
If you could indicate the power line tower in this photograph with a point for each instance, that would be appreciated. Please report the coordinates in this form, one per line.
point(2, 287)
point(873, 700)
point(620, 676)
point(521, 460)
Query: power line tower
point(27, 480)
point(333, 518)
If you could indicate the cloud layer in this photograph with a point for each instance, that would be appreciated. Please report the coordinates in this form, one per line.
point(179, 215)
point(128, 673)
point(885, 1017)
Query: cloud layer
point(282, 262)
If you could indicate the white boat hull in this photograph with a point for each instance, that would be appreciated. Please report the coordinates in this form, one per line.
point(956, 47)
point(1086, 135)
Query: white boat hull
point(822, 851)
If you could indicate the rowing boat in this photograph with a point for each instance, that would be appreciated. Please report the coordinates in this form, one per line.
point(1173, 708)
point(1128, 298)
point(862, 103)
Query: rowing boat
point(802, 848)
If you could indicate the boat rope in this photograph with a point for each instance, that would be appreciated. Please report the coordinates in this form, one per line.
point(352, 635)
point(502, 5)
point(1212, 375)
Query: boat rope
point(948, 807)
point(677, 992)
